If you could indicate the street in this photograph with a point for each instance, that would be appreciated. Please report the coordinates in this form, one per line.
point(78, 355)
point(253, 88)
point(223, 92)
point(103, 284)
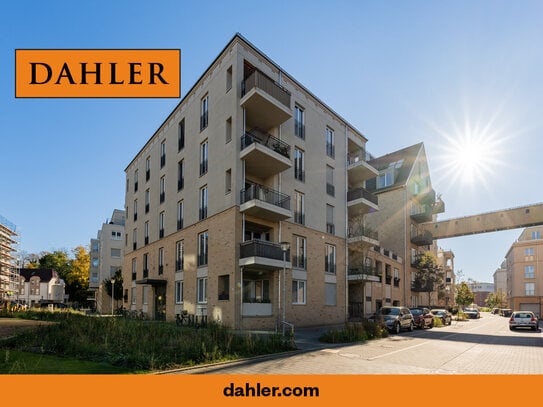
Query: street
point(476, 346)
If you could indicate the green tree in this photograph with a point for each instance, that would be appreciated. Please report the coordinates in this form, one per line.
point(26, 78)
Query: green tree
point(429, 275)
point(464, 296)
point(496, 300)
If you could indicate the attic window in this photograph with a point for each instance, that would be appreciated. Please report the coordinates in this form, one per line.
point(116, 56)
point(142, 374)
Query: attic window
point(385, 179)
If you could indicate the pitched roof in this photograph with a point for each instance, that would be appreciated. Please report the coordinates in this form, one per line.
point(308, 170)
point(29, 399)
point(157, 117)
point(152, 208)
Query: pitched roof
point(45, 275)
point(402, 161)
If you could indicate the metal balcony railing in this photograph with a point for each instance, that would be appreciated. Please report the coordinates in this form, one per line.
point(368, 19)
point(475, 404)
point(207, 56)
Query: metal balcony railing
point(358, 193)
point(359, 155)
point(263, 193)
point(262, 248)
point(259, 80)
point(265, 139)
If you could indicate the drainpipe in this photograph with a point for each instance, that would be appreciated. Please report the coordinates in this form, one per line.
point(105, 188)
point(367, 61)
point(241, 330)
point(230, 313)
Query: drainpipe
point(346, 230)
point(407, 283)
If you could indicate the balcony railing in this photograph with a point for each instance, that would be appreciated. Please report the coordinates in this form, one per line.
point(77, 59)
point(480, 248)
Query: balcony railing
point(259, 80)
point(359, 155)
point(364, 270)
point(359, 193)
point(425, 215)
point(422, 287)
point(260, 137)
point(261, 248)
point(145, 273)
point(424, 239)
point(263, 193)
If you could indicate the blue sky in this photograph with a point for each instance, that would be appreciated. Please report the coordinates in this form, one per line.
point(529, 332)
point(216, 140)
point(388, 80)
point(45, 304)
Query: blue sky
point(450, 74)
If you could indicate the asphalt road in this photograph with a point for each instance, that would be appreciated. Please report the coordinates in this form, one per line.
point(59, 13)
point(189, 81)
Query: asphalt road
point(482, 346)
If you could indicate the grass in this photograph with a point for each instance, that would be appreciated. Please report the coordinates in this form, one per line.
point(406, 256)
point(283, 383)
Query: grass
point(129, 345)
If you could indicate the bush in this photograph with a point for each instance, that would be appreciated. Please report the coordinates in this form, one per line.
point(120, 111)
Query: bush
point(438, 322)
point(355, 332)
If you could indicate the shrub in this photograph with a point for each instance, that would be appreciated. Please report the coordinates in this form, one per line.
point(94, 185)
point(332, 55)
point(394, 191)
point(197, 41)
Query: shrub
point(355, 332)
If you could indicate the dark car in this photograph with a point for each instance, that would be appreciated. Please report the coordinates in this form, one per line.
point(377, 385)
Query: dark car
point(395, 318)
point(444, 315)
point(506, 312)
point(422, 317)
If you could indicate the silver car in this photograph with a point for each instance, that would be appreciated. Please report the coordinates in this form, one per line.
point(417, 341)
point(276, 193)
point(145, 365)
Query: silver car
point(523, 319)
point(395, 318)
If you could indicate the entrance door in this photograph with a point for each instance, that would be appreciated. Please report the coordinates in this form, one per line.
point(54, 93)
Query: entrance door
point(160, 303)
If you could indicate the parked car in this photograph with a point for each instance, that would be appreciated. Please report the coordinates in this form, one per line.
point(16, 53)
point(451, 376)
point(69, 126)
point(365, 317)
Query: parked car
point(523, 319)
point(422, 317)
point(506, 312)
point(495, 311)
point(395, 318)
point(472, 313)
point(444, 315)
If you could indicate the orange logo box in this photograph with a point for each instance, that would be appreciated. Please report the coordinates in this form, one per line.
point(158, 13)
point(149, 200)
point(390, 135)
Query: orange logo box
point(89, 73)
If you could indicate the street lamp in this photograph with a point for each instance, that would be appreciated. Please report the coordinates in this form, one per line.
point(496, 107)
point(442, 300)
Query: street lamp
point(112, 294)
point(284, 247)
point(447, 292)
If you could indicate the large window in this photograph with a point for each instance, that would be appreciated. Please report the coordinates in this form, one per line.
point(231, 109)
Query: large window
point(162, 189)
point(529, 271)
point(145, 265)
point(134, 268)
point(147, 200)
point(161, 223)
point(330, 228)
point(180, 175)
point(136, 181)
point(299, 164)
point(529, 251)
point(202, 248)
point(203, 202)
point(536, 235)
point(179, 255)
point(299, 122)
point(330, 296)
point(204, 157)
point(298, 292)
point(330, 146)
point(299, 210)
point(181, 135)
point(147, 168)
point(256, 290)
point(529, 289)
point(224, 287)
point(180, 215)
point(300, 253)
point(330, 188)
point(201, 290)
point(135, 239)
point(162, 154)
point(135, 210)
point(160, 260)
point(179, 292)
point(146, 232)
point(330, 258)
point(204, 112)
point(385, 179)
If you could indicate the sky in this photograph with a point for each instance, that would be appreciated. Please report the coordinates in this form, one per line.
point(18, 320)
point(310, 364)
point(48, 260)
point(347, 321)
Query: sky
point(464, 77)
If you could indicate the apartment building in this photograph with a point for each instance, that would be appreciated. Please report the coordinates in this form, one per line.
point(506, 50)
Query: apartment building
point(9, 279)
point(237, 207)
point(445, 259)
point(106, 257)
point(524, 265)
point(500, 278)
point(480, 292)
point(406, 200)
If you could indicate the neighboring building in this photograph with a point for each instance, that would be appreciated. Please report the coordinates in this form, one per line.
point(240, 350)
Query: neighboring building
point(41, 285)
point(445, 259)
point(9, 279)
point(480, 292)
point(524, 263)
point(406, 199)
point(249, 159)
point(500, 278)
point(106, 257)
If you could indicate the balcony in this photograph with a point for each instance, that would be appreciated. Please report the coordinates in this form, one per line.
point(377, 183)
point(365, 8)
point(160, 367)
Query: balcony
point(359, 200)
point(423, 216)
point(266, 203)
point(266, 103)
point(427, 197)
point(264, 154)
point(262, 255)
point(423, 239)
point(422, 287)
point(358, 168)
point(362, 233)
point(364, 273)
point(438, 207)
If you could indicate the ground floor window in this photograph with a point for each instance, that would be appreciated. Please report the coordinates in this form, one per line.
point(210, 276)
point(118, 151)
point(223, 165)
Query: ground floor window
point(298, 292)
point(224, 287)
point(202, 290)
point(178, 292)
point(133, 295)
point(256, 290)
point(330, 296)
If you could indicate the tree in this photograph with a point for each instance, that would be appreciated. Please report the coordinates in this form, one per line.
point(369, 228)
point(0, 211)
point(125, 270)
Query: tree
point(464, 296)
point(429, 275)
point(496, 300)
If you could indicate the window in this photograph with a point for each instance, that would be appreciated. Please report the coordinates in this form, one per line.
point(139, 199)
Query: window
point(229, 78)
point(145, 295)
point(529, 251)
point(147, 200)
point(202, 290)
point(116, 253)
point(203, 202)
point(228, 130)
point(299, 122)
point(299, 210)
point(135, 239)
point(224, 287)
point(179, 255)
point(330, 228)
point(179, 292)
point(179, 215)
point(299, 164)
point(536, 235)
point(162, 154)
point(35, 285)
point(136, 181)
point(529, 272)
point(330, 294)
point(127, 184)
point(160, 260)
point(330, 259)
point(298, 291)
point(181, 135)
point(330, 147)
point(529, 289)
point(147, 168)
point(228, 181)
point(204, 112)
point(162, 189)
point(116, 235)
point(95, 263)
point(385, 179)
point(202, 248)
point(145, 265)
point(133, 295)
point(330, 189)
point(396, 277)
point(135, 210)
point(203, 157)
point(180, 175)
point(134, 268)
point(161, 225)
point(256, 290)
point(146, 232)
point(300, 253)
